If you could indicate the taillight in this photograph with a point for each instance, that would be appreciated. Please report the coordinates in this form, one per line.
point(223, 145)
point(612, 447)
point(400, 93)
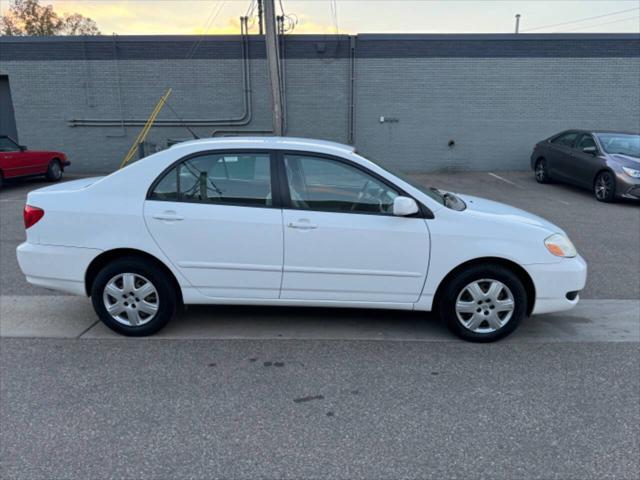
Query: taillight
point(32, 215)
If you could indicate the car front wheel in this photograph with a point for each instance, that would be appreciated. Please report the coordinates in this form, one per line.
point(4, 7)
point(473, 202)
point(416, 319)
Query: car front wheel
point(604, 188)
point(133, 297)
point(54, 171)
point(483, 303)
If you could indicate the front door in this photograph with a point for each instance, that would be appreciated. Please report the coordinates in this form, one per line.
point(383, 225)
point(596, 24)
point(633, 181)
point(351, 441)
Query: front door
point(213, 216)
point(586, 164)
point(342, 242)
point(560, 156)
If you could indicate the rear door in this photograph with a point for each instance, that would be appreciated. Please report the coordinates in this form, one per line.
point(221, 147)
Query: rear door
point(342, 242)
point(559, 153)
point(215, 217)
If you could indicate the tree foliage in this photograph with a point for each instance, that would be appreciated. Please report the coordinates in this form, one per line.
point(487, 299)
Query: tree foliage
point(28, 17)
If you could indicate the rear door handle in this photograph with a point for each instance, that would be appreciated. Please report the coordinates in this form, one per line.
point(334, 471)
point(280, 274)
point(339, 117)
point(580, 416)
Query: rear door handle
point(302, 225)
point(167, 217)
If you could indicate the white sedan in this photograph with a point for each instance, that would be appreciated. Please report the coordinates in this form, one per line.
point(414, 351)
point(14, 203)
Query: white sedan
point(288, 221)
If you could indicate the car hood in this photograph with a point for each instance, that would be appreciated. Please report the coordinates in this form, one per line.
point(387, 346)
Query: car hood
point(496, 211)
point(626, 160)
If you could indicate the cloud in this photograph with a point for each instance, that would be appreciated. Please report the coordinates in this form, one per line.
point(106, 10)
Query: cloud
point(169, 17)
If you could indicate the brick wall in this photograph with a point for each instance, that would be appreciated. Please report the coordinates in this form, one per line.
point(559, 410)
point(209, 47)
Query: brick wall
point(495, 96)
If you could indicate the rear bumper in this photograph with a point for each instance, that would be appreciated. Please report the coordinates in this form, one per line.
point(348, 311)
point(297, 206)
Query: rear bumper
point(556, 284)
point(66, 163)
point(56, 267)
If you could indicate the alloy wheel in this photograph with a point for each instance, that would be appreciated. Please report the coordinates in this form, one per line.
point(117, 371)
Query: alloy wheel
point(131, 299)
point(541, 173)
point(485, 306)
point(604, 186)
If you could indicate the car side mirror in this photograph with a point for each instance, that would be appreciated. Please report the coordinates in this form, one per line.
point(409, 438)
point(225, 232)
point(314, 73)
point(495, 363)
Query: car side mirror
point(404, 206)
point(22, 148)
point(590, 150)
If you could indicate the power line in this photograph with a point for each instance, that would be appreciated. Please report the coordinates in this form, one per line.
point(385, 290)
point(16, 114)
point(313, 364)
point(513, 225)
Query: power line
point(582, 19)
point(637, 19)
point(212, 18)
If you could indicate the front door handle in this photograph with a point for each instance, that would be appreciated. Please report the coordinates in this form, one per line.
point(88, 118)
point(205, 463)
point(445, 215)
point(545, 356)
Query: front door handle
point(168, 216)
point(302, 225)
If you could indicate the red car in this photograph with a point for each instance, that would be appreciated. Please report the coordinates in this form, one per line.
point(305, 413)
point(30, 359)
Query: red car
point(16, 161)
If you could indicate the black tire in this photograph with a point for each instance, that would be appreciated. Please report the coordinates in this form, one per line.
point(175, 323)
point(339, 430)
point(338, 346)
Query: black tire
point(542, 172)
point(604, 187)
point(457, 285)
point(165, 300)
point(54, 171)
point(1, 180)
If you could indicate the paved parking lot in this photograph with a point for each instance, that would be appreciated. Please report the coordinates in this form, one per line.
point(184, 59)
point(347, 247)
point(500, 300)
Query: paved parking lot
point(228, 392)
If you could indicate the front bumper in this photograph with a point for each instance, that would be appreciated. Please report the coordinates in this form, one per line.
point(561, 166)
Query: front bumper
point(627, 187)
point(56, 267)
point(554, 281)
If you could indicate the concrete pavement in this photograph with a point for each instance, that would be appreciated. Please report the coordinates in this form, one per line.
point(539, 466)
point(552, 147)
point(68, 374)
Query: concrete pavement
point(73, 317)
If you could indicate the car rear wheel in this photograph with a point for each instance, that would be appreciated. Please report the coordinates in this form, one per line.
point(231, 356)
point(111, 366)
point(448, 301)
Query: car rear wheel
point(541, 171)
point(604, 187)
point(54, 171)
point(133, 297)
point(483, 303)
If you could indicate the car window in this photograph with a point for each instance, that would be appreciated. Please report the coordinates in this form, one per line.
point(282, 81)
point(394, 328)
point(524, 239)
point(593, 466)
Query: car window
point(8, 145)
point(565, 140)
point(232, 179)
point(329, 185)
point(620, 143)
point(586, 141)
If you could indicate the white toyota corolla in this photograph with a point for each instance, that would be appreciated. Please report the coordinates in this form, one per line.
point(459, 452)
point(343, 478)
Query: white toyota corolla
point(288, 221)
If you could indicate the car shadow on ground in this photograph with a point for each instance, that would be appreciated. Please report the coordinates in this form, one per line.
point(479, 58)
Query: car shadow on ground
point(241, 321)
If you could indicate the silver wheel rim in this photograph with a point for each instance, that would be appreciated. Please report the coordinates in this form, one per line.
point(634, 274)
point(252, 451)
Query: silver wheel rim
point(540, 173)
point(485, 306)
point(131, 299)
point(603, 187)
point(55, 170)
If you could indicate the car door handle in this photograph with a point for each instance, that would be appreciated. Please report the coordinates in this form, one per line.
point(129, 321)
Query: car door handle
point(167, 217)
point(302, 225)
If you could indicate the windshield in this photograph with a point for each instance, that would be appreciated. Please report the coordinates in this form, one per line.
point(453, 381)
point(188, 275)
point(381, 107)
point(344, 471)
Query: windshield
point(430, 191)
point(620, 143)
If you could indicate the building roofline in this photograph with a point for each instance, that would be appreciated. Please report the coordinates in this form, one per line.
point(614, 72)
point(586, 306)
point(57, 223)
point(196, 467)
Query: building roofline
point(331, 37)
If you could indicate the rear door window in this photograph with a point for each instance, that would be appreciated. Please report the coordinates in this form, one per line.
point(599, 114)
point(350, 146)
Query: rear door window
point(565, 140)
point(242, 179)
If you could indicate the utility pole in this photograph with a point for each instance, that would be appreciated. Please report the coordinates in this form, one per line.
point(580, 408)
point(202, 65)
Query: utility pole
point(273, 63)
point(517, 23)
point(260, 17)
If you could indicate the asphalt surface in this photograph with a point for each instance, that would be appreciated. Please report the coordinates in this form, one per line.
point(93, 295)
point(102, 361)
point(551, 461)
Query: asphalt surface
point(250, 392)
point(78, 409)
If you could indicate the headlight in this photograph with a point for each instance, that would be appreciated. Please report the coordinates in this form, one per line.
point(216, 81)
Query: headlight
point(560, 246)
point(632, 172)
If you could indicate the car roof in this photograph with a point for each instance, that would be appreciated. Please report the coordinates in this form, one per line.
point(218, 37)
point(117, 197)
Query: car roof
point(622, 132)
point(267, 142)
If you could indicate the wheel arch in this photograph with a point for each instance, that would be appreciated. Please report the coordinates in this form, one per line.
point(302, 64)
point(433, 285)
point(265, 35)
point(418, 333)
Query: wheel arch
point(110, 255)
point(520, 272)
point(602, 170)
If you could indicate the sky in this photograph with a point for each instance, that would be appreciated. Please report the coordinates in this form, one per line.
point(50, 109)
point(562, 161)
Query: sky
point(143, 17)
